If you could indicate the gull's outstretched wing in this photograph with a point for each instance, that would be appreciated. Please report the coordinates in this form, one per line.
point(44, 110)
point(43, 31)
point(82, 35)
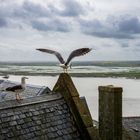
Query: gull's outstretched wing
point(76, 53)
point(57, 54)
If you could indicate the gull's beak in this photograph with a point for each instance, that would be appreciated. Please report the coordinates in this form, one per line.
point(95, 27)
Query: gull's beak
point(26, 78)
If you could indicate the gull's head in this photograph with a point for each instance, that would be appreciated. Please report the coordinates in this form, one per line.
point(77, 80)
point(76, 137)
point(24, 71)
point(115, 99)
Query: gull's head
point(23, 81)
point(23, 78)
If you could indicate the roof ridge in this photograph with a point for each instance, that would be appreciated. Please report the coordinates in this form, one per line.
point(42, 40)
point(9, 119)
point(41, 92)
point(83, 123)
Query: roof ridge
point(27, 101)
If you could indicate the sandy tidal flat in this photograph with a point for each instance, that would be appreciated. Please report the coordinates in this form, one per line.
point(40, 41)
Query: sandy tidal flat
point(88, 87)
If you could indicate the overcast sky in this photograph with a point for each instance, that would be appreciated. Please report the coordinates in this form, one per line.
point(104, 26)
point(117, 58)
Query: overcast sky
point(110, 27)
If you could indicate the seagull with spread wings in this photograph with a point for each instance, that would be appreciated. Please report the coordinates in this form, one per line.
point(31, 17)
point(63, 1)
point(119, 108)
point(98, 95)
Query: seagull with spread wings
point(63, 64)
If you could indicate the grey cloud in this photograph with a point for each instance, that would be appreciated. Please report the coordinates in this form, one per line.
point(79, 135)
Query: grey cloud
point(30, 10)
point(125, 45)
point(72, 8)
point(27, 12)
point(103, 30)
point(3, 22)
point(137, 44)
point(36, 9)
point(40, 26)
point(6, 10)
point(130, 25)
point(124, 27)
point(52, 25)
point(111, 35)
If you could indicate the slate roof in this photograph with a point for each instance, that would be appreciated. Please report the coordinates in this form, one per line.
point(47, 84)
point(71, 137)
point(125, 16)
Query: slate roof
point(30, 91)
point(38, 118)
point(44, 114)
point(132, 125)
point(1, 81)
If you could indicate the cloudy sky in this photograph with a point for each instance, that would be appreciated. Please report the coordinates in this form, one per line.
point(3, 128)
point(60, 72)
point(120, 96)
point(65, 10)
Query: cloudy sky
point(110, 27)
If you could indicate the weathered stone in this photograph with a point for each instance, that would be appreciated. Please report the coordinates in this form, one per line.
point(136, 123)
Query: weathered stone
point(6, 119)
point(36, 113)
point(87, 120)
point(13, 123)
point(22, 116)
point(110, 112)
point(59, 132)
point(66, 87)
point(20, 121)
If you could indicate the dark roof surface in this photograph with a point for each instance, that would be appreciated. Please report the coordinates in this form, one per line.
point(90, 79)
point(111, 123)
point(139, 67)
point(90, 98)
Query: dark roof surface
point(132, 125)
point(30, 91)
point(1, 81)
point(44, 114)
point(37, 118)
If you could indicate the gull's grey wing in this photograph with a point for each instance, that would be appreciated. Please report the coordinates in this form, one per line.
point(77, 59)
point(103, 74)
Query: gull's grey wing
point(14, 88)
point(57, 54)
point(76, 53)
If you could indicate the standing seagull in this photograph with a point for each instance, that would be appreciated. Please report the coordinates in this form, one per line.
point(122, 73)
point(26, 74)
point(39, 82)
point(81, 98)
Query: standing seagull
point(75, 53)
point(18, 88)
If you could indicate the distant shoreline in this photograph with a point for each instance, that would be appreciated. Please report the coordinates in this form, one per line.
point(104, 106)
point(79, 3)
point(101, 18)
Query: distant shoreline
point(130, 75)
point(132, 63)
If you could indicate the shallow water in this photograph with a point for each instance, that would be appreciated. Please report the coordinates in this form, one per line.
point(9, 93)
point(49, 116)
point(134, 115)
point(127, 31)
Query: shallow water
point(88, 87)
point(75, 69)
